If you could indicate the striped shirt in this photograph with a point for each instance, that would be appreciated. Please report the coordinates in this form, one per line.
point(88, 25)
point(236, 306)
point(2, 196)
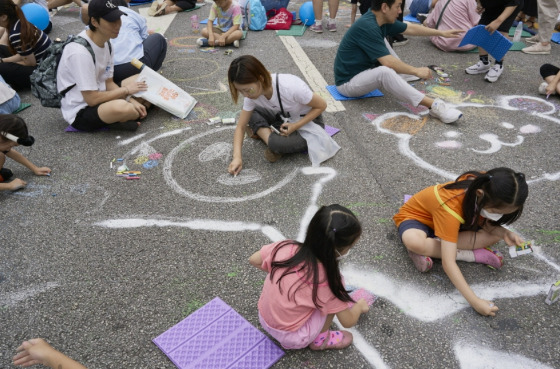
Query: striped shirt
point(40, 47)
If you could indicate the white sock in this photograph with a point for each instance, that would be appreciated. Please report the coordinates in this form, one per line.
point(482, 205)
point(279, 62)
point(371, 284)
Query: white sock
point(318, 22)
point(465, 255)
point(332, 20)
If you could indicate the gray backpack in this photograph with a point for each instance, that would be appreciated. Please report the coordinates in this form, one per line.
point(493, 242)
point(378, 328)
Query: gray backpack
point(43, 78)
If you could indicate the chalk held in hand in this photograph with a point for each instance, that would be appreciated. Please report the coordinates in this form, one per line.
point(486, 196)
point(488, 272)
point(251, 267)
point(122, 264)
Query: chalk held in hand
point(362, 294)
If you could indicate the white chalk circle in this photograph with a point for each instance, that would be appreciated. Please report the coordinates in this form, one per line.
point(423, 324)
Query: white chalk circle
point(172, 182)
point(530, 128)
point(246, 176)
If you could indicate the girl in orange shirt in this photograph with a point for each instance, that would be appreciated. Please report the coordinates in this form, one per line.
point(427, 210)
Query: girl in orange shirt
point(460, 221)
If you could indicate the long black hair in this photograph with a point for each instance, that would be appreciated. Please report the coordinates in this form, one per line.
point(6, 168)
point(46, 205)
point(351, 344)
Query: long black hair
point(333, 228)
point(501, 187)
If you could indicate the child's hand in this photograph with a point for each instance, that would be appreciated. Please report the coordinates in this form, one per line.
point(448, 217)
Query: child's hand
point(211, 40)
point(362, 303)
point(43, 171)
point(493, 26)
point(33, 352)
point(484, 307)
point(550, 89)
point(16, 184)
point(235, 166)
point(512, 238)
point(140, 109)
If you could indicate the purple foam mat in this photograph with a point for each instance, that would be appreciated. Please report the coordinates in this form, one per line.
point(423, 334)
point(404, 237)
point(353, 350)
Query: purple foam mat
point(72, 129)
point(331, 130)
point(216, 336)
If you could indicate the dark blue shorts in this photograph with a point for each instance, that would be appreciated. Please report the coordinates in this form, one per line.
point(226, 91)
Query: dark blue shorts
point(414, 224)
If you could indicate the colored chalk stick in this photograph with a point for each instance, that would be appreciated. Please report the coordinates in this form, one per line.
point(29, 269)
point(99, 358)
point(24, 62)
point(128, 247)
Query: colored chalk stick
point(338, 96)
point(496, 44)
point(216, 336)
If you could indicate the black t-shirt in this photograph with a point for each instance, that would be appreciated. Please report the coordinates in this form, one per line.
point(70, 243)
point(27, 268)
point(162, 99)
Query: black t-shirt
point(364, 6)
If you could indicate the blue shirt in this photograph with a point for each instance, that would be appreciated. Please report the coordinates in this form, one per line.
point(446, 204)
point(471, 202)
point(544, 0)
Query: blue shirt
point(128, 45)
point(361, 46)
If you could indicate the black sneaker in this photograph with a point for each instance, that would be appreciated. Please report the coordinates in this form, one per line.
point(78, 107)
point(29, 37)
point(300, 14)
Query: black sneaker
point(5, 174)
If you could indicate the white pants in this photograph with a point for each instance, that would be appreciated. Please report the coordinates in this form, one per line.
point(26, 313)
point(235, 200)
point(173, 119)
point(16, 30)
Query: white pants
point(381, 78)
point(548, 14)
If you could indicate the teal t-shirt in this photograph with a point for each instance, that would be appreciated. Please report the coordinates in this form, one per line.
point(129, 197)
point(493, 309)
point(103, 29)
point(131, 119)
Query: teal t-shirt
point(361, 46)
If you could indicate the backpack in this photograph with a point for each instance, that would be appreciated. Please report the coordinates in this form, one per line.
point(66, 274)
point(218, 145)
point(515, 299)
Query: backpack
point(254, 15)
point(43, 78)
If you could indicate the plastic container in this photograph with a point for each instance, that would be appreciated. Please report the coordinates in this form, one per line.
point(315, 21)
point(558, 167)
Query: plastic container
point(518, 32)
point(195, 25)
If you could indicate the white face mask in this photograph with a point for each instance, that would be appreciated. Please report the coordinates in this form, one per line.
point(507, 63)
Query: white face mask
point(492, 216)
point(341, 257)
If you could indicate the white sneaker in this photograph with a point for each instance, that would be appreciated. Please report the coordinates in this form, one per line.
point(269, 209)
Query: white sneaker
point(236, 43)
point(537, 49)
point(478, 68)
point(443, 112)
point(542, 88)
point(494, 73)
point(533, 39)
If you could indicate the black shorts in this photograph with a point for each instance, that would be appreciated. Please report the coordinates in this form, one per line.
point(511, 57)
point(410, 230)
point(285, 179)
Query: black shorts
point(548, 70)
point(185, 4)
point(490, 15)
point(414, 224)
point(88, 119)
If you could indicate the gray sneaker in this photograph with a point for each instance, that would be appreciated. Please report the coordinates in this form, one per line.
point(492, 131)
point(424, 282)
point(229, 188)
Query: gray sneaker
point(443, 112)
point(478, 68)
point(537, 49)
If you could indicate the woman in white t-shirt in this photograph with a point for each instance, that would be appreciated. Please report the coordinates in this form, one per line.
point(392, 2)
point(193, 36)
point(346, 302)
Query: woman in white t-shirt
point(289, 124)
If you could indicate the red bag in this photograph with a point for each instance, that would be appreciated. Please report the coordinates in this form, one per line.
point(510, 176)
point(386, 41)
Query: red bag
point(282, 19)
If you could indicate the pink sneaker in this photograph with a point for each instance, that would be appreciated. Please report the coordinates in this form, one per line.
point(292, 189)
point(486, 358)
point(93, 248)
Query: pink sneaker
point(421, 262)
point(317, 28)
point(334, 340)
point(489, 256)
point(331, 26)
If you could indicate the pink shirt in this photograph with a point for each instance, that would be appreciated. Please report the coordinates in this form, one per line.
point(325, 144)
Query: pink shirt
point(285, 314)
point(459, 14)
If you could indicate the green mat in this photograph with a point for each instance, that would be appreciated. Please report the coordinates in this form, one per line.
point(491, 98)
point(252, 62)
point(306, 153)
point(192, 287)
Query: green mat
point(22, 106)
point(523, 34)
point(293, 31)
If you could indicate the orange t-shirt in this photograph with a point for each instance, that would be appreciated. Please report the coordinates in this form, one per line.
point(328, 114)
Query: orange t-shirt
point(426, 208)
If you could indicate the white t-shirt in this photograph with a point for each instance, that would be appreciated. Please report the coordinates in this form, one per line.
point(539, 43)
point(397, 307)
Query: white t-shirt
point(76, 67)
point(295, 94)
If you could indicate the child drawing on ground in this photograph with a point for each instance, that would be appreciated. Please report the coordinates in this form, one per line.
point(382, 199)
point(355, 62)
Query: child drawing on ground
point(460, 220)
point(279, 109)
point(304, 290)
point(38, 351)
point(13, 132)
point(551, 75)
point(228, 30)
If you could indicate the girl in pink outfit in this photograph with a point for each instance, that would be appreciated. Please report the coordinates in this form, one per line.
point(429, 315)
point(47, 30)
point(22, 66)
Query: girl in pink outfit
point(304, 289)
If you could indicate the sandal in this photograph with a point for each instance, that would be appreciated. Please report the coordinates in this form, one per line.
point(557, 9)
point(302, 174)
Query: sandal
point(161, 10)
point(153, 8)
point(489, 256)
point(338, 340)
point(421, 262)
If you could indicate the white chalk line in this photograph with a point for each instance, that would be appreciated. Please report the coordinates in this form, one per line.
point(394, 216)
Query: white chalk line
point(13, 298)
point(471, 356)
point(311, 74)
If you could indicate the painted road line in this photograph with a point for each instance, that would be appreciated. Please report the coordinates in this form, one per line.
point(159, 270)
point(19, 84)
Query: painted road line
point(157, 24)
point(311, 74)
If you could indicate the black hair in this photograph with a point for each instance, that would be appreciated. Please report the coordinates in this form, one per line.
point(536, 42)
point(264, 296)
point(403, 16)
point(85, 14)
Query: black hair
point(501, 187)
point(10, 123)
point(376, 4)
point(247, 69)
point(333, 228)
point(91, 26)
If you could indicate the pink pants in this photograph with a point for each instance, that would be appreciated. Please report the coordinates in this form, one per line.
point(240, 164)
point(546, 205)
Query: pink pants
point(302, 337)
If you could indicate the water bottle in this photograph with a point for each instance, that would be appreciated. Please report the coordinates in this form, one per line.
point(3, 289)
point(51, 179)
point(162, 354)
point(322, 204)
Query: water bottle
point(194, 24)
point(518, 32)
